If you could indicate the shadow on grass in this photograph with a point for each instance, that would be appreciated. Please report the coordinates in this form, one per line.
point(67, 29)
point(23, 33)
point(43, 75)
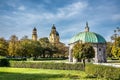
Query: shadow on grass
point(21, 76)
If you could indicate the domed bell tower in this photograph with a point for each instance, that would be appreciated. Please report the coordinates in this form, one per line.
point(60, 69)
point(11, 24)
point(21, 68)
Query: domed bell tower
point(54, 35)
point(34, 34)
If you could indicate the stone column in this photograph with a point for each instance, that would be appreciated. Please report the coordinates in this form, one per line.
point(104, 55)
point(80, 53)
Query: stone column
point(96, 51)
point(104, 53)
point(70, 53)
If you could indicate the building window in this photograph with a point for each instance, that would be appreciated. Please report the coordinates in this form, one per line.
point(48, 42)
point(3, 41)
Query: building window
point(99, 49)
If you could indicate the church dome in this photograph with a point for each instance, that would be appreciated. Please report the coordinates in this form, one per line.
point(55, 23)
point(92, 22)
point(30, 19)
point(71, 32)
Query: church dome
point(34, 29)
point(87, 36)
point(57, 33)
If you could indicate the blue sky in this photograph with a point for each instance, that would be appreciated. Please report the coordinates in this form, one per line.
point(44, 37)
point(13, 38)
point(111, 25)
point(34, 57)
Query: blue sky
point(19, 17)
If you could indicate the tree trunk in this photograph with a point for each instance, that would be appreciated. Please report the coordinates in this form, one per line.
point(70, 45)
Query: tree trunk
point(84, 63)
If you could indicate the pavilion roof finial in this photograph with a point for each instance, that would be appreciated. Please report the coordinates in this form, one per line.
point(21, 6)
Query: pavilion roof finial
point(86, 28)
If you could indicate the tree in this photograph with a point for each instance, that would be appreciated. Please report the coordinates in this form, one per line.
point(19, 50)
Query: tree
point(36, 49)
point(62, 50)
point(3, 47)
point(48, 48)
point(108, 49)
point(29, 48)
point(116, 48)
point(12, 47)
point(23, 48)
point(83, 51)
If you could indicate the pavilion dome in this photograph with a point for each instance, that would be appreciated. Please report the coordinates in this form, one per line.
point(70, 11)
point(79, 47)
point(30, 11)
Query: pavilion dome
point(87, 36)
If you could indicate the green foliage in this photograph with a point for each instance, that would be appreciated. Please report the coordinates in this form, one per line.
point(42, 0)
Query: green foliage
point(61, 50)
point(4, 62)
point(83, 51)
point(53, 50)
point(108, 49)
point(28, 48)
point(3, 47)
point(115, 51)
point(100, 71)
point(44, 59)
point(47, 65)
point(1, 57)
point(16, 59)
point(77, 50)
point(13, 45)
point(48, 48)
point(24, 47)
point(116, 48)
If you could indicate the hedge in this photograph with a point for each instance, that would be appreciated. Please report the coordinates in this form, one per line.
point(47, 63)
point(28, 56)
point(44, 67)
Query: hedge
point(4, 62)
point(34, 59)
point(101, 71)
point(42, 59)
point(47, 65)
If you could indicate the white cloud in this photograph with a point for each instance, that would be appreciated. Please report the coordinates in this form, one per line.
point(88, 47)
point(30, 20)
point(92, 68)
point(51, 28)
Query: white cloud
point(71, 10)
point(66, 12)
point(116, 17)
point(21, 8)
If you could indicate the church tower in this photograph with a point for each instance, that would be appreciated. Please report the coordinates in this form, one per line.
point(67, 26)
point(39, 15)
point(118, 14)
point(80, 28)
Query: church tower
point(54, 35)
point(34, 34)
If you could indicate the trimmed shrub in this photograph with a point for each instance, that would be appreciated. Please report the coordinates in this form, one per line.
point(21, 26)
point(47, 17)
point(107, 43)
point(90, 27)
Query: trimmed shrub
point(42, 59)
point(47, 65)
point(16, 59)
point(4, 62)
point(102, 71)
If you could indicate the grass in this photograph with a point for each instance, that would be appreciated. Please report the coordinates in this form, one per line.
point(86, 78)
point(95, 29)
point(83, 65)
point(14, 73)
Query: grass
point(7, 73)
point(2, 57)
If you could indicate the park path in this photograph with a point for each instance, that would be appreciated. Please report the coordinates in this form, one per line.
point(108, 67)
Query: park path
point(117, 65)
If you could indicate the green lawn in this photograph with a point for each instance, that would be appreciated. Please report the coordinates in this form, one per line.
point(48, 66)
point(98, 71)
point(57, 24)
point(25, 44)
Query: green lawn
point(41, 74)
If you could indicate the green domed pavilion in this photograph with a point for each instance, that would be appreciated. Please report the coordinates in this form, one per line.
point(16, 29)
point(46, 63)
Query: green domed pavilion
point(88, 37)
point(97, 41)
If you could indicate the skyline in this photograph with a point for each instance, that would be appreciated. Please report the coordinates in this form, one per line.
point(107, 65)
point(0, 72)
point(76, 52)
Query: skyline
point(19, 17)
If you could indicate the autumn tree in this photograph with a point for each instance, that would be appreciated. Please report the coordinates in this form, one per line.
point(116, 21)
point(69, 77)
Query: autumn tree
point(13, 44)
point(62, 50)
point(3, 47)
point(83, 51)
point(48, 48)
point(108, 49)
point(29, 48)
point(116, 48)
point(35, 49)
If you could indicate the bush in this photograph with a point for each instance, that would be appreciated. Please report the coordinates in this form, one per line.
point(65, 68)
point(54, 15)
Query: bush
point(42, 59)
point(16, 59)
point(34, 59)
point(47, 65)
point(101, 71)
point(4, 62)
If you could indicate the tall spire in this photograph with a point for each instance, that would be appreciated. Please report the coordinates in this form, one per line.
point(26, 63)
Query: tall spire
point(86, 28)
